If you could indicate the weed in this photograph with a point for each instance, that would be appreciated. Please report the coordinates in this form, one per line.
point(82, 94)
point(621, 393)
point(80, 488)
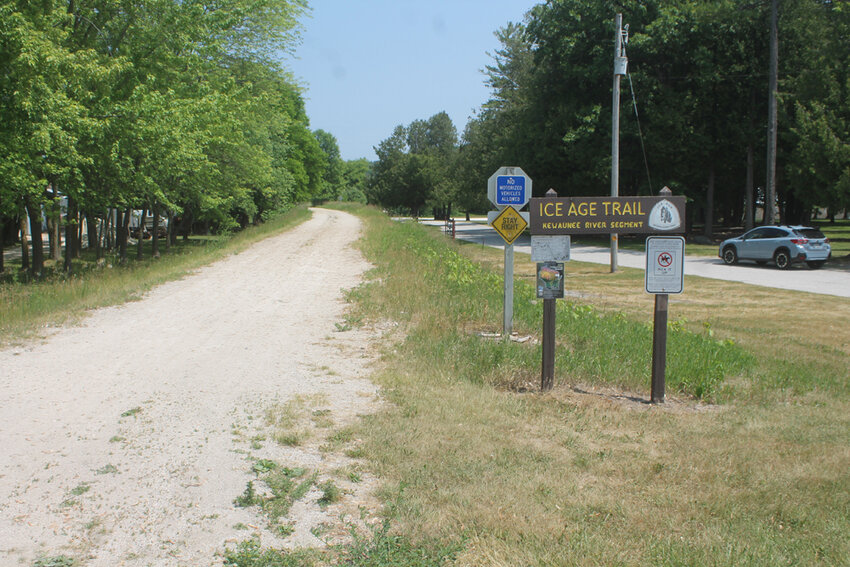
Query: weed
point(57, 561)
point(131, 412)
point(290, 438)
point(116, 439)
point(383, 548)
point(248, 498)
point(250, 554)
point(330, 493)
point(107, 469)
point(263, 466)
point(80, 489)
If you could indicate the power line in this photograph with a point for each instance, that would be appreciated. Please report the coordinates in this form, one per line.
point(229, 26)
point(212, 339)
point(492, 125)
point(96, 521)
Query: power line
point(640, 134)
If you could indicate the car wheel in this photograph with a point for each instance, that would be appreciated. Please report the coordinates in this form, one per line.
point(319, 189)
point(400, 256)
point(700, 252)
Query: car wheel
point(782, 259)
point(815, 264)
point(730, 255)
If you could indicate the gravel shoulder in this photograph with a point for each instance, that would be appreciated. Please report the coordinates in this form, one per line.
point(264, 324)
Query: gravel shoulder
point(127, 438)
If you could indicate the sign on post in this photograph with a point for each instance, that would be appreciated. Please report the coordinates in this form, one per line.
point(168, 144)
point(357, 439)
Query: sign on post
point(550, 248)
point(509, 186)
point(550, 280)
point(509, 224)
point(665, 259)
point(603, 215)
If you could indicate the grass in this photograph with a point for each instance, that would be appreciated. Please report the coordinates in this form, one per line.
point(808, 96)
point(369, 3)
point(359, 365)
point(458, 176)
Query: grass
point(748, 463)
point(25, 308)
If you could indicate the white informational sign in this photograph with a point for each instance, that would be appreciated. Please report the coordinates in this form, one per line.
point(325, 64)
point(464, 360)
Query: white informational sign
point(509, 186)
point(665, 262)
point(550, 248)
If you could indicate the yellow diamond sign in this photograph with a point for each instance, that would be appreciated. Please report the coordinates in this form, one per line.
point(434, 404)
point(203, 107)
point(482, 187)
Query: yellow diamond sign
point(509, 224)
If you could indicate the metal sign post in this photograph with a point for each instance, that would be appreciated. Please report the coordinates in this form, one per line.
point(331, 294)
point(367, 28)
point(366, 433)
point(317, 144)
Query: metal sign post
point(508, 312)
point(509, 189)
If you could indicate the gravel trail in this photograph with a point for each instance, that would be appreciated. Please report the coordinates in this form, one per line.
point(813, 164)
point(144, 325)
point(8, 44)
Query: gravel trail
point(126, 439)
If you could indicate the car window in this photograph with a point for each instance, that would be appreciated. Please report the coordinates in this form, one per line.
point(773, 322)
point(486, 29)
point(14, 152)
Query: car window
point(776, 233)
point(810, 233)
point(756, 233)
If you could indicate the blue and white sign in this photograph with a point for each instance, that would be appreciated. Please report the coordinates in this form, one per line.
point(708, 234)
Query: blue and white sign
point(510, 190)
point(509, 186)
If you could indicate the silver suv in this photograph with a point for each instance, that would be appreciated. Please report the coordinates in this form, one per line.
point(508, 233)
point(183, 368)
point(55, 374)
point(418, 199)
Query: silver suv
point(783, 245)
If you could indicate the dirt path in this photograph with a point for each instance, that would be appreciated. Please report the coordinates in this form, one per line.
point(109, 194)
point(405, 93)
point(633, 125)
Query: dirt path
point(125, 440)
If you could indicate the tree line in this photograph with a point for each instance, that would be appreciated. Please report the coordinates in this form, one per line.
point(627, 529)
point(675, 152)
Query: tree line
point(178, 109)
point(693, 109)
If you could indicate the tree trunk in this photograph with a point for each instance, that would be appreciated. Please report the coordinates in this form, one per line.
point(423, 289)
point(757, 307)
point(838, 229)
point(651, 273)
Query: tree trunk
point(155, 240)
point(93, 235)
point(749, 193)
point(37, 266)
point(123, 235)
point(70, 236)
point(709, 205)
point(78, 241)
point(170, 236)
point(54, 229)
point(140, 252)
point(25, 248)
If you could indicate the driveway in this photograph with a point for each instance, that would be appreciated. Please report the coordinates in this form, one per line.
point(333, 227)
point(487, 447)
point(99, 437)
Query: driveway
point(800, 278)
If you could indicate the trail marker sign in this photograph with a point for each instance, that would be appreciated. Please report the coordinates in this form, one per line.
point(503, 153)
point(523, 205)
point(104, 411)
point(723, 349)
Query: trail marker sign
point(509, 186)
point(665, 259)
point(509, 224)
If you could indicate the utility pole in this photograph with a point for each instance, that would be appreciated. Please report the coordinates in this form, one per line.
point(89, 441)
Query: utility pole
point(770, 186)
point(620, 65)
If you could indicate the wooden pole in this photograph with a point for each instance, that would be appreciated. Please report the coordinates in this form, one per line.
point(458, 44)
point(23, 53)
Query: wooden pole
point(659, 348)
point(547, 380)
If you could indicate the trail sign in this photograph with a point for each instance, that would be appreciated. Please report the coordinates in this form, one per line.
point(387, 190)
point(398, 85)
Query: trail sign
point(550, 248)
point(665, 259)
point(604, 215)
point(509, 186)
point(509, 224)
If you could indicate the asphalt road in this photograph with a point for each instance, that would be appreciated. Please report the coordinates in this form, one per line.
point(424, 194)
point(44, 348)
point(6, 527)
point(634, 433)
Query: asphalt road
point(827, 281)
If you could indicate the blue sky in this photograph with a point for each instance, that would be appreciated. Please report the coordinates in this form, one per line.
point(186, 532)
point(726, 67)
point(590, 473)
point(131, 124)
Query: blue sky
point(370, 65)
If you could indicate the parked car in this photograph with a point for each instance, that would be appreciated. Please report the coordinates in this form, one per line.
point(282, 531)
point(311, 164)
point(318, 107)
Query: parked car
point(783, 245)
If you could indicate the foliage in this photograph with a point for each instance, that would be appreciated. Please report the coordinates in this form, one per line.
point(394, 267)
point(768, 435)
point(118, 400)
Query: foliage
point(416, 166)
point(142, 104)
point(697, 75)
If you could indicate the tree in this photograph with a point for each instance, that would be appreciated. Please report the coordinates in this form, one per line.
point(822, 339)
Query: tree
point(333, 165)
point(416, 166)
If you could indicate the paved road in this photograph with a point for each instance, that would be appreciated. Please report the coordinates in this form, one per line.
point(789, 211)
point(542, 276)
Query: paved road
point(825, 281)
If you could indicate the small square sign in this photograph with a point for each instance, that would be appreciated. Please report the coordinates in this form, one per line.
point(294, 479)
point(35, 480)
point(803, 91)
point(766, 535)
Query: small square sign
point(550, 280)
point(665, 260)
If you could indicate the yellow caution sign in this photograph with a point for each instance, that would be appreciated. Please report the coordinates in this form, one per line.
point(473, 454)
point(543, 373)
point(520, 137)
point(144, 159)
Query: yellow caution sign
point(509, 224)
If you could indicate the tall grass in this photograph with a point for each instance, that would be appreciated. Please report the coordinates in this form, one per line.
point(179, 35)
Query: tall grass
point(589, 474)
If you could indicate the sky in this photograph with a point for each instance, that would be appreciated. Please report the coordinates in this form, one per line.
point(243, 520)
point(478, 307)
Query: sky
point(371, 65)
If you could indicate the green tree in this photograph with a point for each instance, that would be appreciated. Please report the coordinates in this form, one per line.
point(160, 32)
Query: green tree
point(333, 165)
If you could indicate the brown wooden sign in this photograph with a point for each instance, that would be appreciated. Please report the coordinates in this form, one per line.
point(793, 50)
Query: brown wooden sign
point(605, 215)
